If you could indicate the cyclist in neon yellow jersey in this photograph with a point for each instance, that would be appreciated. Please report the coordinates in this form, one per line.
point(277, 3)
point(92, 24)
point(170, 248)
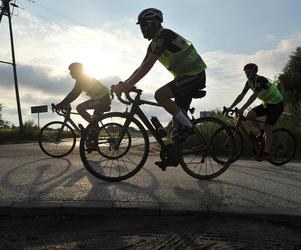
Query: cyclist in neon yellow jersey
point(182, 60)
point(100, 97)
point(271, 107)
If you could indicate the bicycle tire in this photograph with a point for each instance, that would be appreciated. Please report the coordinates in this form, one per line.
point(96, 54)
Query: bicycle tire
point(204, 145)
point(123, 165)
point(114, 126)
point(239, 144)
point(54, 146)
point(283, 147)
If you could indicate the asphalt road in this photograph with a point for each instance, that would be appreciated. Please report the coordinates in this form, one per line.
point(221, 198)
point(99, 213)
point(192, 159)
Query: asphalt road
point(26, 174)
point(219, 213)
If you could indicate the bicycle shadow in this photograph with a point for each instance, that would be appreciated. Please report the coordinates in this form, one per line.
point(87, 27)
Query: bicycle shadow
point(215, 194)
point(48, 181)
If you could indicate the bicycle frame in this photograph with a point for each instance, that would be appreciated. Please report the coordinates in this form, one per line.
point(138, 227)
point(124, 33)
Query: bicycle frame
point(238, 126)
point(72, 123)
point(67, 119)
point(136, 110)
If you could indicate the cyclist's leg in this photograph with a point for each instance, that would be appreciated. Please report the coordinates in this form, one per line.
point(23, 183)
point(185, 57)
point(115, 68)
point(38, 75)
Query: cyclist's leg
point(184, 90)
point(180, 88)
point(164, 97)
point(100, 106)
point(258, 111)
point(273, 113)
point(83, 107)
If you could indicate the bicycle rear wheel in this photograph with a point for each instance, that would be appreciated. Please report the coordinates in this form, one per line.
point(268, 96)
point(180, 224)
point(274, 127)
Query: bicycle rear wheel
point(283, 147)
point(205, 155)
point(115, 158)
point(57, 139)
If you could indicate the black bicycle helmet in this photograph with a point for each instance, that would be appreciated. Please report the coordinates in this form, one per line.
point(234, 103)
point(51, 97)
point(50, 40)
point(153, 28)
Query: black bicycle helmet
point(251, 67)
point(149, 15)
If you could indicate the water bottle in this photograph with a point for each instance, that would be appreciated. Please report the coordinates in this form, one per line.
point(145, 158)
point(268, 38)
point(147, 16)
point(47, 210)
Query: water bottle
point(161, 131)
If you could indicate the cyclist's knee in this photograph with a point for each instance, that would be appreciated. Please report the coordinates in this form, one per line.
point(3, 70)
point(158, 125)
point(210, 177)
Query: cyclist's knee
point(80, 108)
point(163, 93)
point(158, 95)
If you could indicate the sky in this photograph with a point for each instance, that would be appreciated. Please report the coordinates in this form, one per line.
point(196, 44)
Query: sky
point(49, 35)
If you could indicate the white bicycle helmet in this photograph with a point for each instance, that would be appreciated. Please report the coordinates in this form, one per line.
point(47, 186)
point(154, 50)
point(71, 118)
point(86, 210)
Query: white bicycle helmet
point(149, 15)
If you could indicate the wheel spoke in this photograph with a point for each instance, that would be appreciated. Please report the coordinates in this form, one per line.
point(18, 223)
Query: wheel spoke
point(119, 146)
point(57, 139)
point(204, 154)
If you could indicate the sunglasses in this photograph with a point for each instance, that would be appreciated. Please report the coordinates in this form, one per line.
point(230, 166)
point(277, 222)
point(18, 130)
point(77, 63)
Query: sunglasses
point(145, 24)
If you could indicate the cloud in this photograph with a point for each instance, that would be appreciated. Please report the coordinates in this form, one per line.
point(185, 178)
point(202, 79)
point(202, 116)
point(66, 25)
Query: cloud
point(44, 50)
point(34, 78)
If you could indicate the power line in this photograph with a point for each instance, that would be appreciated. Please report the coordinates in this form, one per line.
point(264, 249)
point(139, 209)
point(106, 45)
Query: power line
point(5, 11)
point(106, 44)
point(92, 39)
point(74, 21)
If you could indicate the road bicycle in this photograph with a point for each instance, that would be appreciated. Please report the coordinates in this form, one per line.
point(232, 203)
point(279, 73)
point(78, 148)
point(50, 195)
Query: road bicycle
point(58, 138)
point(283, 146)
point(124, 141)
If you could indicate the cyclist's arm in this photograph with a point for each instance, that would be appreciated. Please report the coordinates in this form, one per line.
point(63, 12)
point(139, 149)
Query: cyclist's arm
point(73, 94)
point(240, 97)
point(251, 99)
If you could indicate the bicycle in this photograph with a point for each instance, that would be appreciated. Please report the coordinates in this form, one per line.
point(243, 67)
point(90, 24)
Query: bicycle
point(123, 144)
point(283, 146)
point(57, 139)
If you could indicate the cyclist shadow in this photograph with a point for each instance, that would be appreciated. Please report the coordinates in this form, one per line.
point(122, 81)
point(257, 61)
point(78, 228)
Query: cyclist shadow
point(34, 177)
point(37, 180)
point(127, 190)
point(214, 191)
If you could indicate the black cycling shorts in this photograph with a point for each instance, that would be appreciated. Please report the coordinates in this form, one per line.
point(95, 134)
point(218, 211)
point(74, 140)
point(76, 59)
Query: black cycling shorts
point(271, 111)
point(184, 87)
point(101, 105)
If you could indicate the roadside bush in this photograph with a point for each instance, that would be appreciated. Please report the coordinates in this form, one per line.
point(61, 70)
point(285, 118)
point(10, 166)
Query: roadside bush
point(13, 135)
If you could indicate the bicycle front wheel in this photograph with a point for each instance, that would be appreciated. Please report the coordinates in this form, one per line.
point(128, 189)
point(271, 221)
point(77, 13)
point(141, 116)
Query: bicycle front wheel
point(121, 151)
point(57, 139)
point(239, 143)
point(208, 152)
point(283, 147)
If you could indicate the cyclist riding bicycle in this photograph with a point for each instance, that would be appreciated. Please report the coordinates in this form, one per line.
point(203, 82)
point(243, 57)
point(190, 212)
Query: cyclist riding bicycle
point(271, 107)
point(100, 98)
point(180, 57)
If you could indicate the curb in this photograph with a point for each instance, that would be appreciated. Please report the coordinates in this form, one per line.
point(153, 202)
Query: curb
point(96, 208)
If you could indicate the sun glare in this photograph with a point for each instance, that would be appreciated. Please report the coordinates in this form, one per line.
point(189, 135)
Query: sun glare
point(92, 69)
point(96, 64)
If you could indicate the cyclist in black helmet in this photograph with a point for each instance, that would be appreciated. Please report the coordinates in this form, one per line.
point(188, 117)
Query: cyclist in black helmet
point(271, 107)
point(180, 57)
point(99, 94)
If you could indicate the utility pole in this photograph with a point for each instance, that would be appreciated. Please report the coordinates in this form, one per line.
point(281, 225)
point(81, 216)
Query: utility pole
point(5, 11)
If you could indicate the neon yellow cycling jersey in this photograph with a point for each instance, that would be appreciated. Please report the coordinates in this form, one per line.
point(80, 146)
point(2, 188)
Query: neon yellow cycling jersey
point(93, 88)
point(184, 60)
point(266, 90)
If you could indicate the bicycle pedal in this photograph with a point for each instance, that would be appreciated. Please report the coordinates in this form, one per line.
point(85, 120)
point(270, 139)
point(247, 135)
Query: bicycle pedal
point(161, 165)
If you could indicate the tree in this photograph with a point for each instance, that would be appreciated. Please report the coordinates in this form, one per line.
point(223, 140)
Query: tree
point(290, 79)
point(3, 123)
